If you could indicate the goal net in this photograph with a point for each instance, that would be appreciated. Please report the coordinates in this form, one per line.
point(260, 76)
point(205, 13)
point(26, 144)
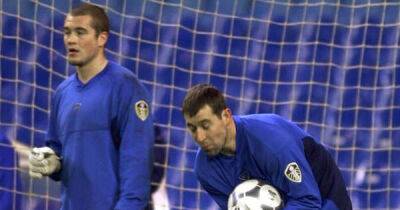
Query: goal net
point(330, 66)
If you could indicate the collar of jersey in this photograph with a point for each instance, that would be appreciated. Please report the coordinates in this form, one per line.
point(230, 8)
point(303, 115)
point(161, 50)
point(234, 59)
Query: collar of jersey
point(80, 84)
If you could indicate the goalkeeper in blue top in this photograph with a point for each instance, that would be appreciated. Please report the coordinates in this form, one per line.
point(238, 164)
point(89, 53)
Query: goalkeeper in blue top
point(100, 137)
point(260, 146)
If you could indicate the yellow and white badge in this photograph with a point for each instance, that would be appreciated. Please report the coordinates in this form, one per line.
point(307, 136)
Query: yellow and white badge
point(142, 110)
point(293, 172)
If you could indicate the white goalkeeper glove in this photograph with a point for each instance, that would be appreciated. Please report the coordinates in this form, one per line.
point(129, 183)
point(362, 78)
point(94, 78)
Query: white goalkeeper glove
point(43, 161)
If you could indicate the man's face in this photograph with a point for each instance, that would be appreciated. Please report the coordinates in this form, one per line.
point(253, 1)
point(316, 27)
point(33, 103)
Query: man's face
point(208, 130)
point(80, 40)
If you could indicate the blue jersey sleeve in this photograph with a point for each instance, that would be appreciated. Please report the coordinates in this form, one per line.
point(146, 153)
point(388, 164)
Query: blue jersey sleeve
point(216, 175)
point(294, 176)
point(219, 197)
point(135, 128)
point(52, 139)
point(284, 162)
point(209, 180)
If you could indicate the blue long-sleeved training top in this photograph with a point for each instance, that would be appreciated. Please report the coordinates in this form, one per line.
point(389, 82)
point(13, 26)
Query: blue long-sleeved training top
point(103, 132)
point(272, 149)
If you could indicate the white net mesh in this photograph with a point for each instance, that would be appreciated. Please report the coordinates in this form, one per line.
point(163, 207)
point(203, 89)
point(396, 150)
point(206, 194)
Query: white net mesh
point(332, 67)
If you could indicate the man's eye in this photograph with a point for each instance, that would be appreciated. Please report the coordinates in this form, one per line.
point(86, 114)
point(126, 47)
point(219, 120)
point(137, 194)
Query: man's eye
point(205, 126)
point(192, 129)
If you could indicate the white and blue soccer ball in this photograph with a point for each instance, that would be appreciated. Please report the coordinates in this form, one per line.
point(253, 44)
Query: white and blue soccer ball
point(254, 195)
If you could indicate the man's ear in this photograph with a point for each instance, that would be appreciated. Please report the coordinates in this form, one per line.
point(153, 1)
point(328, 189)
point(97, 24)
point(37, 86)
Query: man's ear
point(226, 113)
point(102, 38)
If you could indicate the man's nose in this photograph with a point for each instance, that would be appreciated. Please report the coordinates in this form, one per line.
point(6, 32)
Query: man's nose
point(70, 39)
point(200, 135)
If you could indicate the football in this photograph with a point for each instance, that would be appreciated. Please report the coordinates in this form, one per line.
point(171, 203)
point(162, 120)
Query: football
point(254, 195)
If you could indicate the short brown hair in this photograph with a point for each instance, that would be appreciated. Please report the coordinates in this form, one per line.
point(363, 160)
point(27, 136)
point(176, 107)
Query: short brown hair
point(200, 95)
point(100, 21)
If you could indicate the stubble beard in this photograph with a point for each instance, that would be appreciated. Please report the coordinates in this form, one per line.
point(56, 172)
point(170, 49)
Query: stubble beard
point(225, 148)
point(75, 63)
point(80, 63)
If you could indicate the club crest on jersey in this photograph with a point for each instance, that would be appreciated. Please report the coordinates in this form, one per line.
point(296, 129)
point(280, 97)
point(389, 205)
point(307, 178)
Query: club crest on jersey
point(293, 172)
point(142, 110)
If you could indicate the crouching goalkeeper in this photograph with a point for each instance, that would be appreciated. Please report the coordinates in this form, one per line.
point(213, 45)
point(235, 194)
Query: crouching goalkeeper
point(100, 137)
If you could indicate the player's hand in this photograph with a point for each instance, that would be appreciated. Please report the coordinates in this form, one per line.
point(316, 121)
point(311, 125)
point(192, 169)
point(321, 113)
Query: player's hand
point(43, 161)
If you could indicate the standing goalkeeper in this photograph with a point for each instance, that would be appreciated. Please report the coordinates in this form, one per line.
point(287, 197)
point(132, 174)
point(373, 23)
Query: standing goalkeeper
point(100, 136)
point(260, 146)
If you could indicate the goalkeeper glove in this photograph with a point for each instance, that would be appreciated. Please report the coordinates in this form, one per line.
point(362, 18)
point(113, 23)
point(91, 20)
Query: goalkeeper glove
point(43, 161)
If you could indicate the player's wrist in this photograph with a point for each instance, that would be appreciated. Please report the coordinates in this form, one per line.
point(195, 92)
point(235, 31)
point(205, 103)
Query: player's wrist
point(54, 160)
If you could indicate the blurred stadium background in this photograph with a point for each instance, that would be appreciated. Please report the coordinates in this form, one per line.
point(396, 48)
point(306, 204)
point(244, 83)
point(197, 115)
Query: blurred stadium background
point(331, 66)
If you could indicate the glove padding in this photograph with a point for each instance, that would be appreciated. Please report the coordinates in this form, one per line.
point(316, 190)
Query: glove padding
point(43, 161)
